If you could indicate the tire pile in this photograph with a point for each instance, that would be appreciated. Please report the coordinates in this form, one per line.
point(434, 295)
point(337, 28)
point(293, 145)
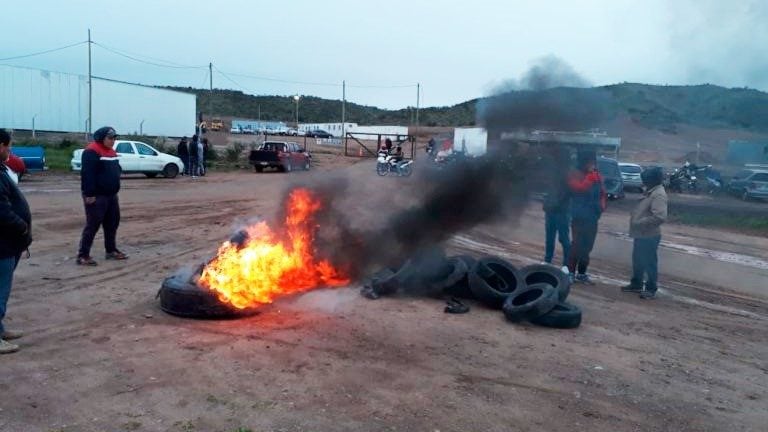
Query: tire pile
point(535, 293)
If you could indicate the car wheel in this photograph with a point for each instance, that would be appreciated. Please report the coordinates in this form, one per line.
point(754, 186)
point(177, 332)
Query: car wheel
point(185, 299)
point(170, 171)
point(745, 195)
point(151, 175)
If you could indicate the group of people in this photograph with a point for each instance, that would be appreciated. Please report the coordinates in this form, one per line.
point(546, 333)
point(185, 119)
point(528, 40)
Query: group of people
point(192, 153)
point(99, 185)
point(576, 199)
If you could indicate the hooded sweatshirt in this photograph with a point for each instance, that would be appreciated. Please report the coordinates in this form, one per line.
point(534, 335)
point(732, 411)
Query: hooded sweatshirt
point(100, 172)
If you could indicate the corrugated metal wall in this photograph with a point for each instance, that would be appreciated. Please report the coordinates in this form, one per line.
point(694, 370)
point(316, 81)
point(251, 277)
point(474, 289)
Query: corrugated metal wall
point(59, 102)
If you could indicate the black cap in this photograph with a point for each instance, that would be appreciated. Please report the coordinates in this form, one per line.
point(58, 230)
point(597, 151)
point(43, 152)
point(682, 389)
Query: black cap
point(652, 176)
point(106, 131)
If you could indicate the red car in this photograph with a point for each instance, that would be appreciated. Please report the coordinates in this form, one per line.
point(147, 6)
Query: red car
point(16, 164)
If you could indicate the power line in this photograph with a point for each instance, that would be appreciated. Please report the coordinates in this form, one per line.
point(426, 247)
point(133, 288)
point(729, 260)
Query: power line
point(43, 52)
point(170, 65)
point(284, 81)
point(241, 87)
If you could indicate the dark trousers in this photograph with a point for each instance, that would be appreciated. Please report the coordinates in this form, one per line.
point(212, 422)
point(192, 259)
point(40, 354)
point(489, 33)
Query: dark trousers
point(185, 160)
point(556, 225)
point(645, 262)
point(192, 165)
point(7, 267)
point(584, 234)
point(105, 212)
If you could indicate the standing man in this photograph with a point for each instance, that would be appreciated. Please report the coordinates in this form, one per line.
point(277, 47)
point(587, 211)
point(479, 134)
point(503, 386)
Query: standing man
point(100, 183)
point(645, 228)
point(16, 229)
point(557, 209)
point(587, 205)
point(202, 146)
point(193, 155)
point(183, 152)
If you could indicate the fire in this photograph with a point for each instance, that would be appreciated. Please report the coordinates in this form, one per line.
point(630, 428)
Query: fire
point(269, 265)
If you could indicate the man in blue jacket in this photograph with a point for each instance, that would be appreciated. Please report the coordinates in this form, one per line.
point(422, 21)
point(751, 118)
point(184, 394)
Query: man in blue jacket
point(588, 202)
point(100, 183)
point(16, 228)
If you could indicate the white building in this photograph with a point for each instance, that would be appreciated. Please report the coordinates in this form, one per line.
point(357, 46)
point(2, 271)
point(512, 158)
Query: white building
point(335, 129)
point(55, 101)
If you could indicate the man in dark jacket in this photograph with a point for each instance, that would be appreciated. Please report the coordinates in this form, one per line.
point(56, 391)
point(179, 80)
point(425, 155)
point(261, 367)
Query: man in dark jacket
point(193, 156)
point(557, 208)
point(183, 152)
point(587, 205)
point(100, 183)
point(16, 228)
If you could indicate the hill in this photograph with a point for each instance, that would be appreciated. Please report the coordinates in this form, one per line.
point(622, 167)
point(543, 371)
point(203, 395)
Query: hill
point(661, 108)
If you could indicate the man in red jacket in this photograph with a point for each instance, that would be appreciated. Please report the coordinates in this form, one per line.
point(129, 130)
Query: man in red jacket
point(588, 201)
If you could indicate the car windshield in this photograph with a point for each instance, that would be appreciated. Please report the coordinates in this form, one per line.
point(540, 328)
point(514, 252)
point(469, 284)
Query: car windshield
point(630, 169)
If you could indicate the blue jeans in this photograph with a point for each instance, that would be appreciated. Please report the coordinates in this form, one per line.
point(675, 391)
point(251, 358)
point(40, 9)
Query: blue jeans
point(556, 224)
point(645, 262)
point(7, 266)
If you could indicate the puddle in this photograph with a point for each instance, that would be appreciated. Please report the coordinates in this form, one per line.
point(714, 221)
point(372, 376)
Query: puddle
point(728, 257)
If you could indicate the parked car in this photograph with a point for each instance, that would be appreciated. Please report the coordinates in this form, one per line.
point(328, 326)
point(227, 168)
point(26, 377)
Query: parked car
point(138, 157)
point(749, 184)
point(609, 170)
point(33, 157)
point(319, 133)
point(285, 156)
point(630, 176)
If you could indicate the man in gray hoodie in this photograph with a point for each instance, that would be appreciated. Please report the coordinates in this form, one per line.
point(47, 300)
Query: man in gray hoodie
point(645, 228)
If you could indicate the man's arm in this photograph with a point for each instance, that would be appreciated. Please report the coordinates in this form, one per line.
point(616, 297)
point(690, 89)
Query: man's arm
point(658, 213)
point(90, 161)
point(10, 221)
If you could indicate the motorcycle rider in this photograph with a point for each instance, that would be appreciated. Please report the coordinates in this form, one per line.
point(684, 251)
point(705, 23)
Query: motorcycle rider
point(397, 156)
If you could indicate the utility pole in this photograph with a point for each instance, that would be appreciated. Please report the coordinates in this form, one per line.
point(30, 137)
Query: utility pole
point(89, 128)
point(343, 107)
point(418, 96)
point(210, 95)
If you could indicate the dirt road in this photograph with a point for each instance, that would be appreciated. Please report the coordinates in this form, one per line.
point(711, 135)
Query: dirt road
point(100, 355)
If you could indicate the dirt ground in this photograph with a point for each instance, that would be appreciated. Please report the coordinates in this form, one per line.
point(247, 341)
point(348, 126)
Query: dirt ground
point(99, 355)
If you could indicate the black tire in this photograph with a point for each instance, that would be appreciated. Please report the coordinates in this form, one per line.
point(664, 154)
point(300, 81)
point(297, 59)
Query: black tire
point(182, 298)
point(151, 175)
point(544, 273)
point(170, 171)
point(258, 169)
point(417, 274)
point(564, 316)
point(461, 287)
point(455, 270)
point(492, 280)
point(531, 302)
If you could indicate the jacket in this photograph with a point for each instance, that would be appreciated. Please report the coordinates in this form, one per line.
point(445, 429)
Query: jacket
point(588, 196)
point(15, 218)
point(647, 217)
point(558, 197)
point(100, 172)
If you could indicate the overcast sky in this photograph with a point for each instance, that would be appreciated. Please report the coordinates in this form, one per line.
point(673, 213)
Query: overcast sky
point(456, 50)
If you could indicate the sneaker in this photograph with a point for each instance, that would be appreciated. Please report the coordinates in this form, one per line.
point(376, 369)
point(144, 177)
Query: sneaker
point(631, 288)
point(115, 255)
point(647, 295)
point(11, 334)
point(7, 347)
point(565, 270)
point(584, 278)
point(86, 261)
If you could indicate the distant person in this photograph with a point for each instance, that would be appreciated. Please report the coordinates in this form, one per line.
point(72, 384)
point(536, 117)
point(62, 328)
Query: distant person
point(100, 184)
point(202, 147)
point(388, 144)
point(16, 229)
point(182, 150)
point(193, 156)
point(588, 201)
point(645, 228)
point(557, 209)
point(431, 146)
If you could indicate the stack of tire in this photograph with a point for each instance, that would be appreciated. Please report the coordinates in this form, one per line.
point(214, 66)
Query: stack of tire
point(535, 293)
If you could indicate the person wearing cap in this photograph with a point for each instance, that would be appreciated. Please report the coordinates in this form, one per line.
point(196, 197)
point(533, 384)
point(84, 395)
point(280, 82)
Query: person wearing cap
point(100, 183)
point(645, 229)
point(588, 202)
point(16, 228)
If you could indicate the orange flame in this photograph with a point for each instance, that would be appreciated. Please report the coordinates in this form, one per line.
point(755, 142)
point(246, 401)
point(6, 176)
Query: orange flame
point(267, 266)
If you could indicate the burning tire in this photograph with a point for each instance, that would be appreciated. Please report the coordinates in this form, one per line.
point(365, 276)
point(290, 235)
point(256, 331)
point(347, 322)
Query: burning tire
point(563, 315)
point(461, 287)
point(185, 299)
point(542, 273)
point(492, 280)
point(455, 270)
point(531, 302)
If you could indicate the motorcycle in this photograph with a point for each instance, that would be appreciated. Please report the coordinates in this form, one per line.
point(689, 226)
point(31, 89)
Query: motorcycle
point(683, 180)
point(386, 164)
